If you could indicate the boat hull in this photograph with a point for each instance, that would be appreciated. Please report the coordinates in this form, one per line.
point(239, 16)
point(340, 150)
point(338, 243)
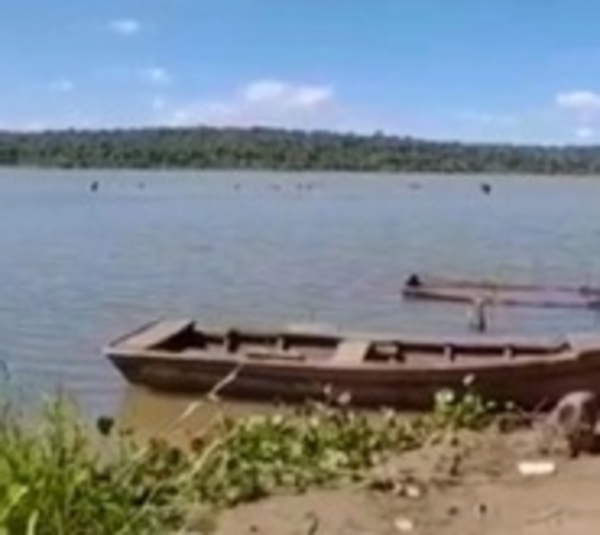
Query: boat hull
point(410, 389)
point(375, 370)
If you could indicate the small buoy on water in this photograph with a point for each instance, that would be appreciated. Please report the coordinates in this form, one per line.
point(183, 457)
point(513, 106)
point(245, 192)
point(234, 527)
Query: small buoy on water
point(486, 188)
point(94, 186)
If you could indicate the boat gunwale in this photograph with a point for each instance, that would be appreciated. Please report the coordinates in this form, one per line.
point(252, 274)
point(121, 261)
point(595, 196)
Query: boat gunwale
point(507, 352)
point(464, 363)
point(551, 344)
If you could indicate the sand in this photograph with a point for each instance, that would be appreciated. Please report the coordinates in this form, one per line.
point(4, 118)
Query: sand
point(472, 487)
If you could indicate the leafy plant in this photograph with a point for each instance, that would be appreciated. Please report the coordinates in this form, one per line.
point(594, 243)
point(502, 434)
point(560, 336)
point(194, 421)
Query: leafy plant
point(61, 477)
point(317, 446)
point(54, 481)
point(464, 409)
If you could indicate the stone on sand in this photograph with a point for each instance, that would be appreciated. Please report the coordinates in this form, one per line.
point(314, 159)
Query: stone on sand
point(572, 422)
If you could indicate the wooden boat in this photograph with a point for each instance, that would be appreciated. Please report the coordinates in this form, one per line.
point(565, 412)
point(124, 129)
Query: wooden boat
point(501, 286)
point(503, 298)
point(377, 370)
point(505, 294)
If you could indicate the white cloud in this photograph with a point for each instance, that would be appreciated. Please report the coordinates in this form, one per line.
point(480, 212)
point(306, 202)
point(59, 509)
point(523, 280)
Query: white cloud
point(286, 95)
point(62, 85)
point(585, 133)
point(265, 103)
point(584, 107)
point(309, 97)
point(583, 101)
point(264, 91)
point(126, 27)
point(157, 75)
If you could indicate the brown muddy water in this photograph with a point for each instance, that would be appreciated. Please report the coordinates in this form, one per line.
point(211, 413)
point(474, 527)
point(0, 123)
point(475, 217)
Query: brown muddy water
point(180, 418)
point(80, 268)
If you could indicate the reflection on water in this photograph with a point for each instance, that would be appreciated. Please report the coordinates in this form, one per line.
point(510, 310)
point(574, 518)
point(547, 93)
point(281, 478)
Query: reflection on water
point(79, 268)
point(179, 418)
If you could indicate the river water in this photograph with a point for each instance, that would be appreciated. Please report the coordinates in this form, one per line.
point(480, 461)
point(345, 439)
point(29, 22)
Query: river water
point(79, 268)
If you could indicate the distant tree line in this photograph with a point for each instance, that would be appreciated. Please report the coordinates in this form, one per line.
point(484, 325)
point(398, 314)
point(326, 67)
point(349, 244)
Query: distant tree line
point(264, 148)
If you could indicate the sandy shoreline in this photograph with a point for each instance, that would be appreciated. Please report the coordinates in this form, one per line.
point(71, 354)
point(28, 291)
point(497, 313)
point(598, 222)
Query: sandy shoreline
point(488, 497)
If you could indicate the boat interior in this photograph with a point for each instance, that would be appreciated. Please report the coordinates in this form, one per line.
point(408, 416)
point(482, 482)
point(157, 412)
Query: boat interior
point(304, 346)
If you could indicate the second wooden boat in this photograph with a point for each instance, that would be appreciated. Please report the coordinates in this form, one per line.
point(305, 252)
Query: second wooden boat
point(428, 281)
point(504, 294)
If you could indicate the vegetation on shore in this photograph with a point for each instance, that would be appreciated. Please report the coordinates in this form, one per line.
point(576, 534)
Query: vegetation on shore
point(264, 148)
point(60, 478)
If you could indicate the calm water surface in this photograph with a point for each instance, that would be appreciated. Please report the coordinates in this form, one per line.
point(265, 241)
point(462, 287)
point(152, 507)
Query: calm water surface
point(79, 268)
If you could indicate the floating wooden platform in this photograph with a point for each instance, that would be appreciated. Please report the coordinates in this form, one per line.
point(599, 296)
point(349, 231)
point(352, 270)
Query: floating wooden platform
point(498, 285)
point(501, 293)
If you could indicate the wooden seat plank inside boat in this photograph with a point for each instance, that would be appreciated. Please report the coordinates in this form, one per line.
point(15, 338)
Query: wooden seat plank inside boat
point(386, 352)
point(352, 352)
point(274, 354)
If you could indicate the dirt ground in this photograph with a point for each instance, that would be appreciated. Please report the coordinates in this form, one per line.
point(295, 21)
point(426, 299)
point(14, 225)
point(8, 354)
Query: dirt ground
point(471, 486)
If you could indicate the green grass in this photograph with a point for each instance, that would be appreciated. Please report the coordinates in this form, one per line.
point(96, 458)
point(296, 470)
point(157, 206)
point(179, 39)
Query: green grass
point(61, 477)
point(53, 480)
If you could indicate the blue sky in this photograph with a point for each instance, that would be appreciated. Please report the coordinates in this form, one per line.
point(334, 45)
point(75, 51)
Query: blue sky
point(510, 70)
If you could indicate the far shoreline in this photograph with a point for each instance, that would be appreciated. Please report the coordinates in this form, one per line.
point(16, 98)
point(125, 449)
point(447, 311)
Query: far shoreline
point(259, 149)
point(186, 171)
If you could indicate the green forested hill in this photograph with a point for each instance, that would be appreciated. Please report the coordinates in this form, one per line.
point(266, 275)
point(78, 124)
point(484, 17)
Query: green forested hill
point(261, 148)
